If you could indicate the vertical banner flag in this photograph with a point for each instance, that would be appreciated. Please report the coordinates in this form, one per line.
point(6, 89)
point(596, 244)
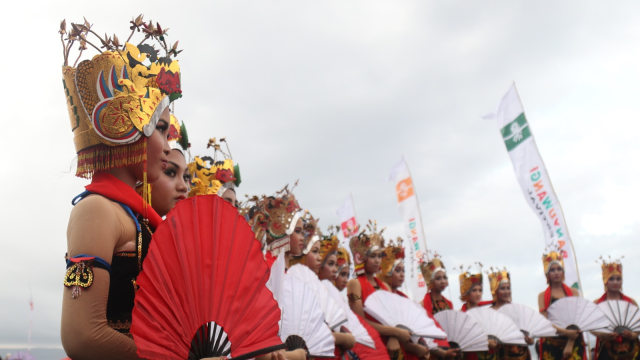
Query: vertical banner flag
point(415, 244)
point(347, 215)
point(534, 180)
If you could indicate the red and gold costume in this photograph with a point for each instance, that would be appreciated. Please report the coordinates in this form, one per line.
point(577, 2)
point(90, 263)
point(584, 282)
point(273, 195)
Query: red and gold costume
point(619, 348)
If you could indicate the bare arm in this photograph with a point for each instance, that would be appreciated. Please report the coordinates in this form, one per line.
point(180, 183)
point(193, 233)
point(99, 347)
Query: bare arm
point(95, 228)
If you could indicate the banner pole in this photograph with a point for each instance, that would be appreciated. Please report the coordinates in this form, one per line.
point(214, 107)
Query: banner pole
point(415, 192)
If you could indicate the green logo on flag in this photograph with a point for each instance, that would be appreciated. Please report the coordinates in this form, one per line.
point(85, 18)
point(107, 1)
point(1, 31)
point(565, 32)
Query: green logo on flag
point(516, 132)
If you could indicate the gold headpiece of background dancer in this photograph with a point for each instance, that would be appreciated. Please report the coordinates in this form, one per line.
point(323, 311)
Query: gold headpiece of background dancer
point(214, 175)
point(610, 267)
point(468, 280)
point(393, 255)
point(553, 255)
point(429, 268)
point(496, 277)
point(343, 258)
point(366, 241)
point(329, 243)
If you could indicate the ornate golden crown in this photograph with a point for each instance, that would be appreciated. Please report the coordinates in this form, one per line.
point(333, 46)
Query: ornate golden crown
point(273, 219)
point(214, 175)
point(363, 243)
point(553, 255)
point(343, 258)
point(496, 277)
point(118, 95)
point(468, 280)
point(329, 243)
point(393, 255)
point(429, 268)
point(610, 267)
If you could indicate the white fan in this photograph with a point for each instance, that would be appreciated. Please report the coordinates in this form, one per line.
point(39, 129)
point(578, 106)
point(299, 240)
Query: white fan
point(276, 277)
point(303, 317)
point(353, 324)
point(334, 315)
point(463, 331)
point(531, 322)
point(576, 311)
point(498, 325)
point(394, 310)
point(621, 315)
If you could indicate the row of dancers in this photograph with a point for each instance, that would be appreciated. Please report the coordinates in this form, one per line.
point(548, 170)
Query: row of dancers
point(133, 149)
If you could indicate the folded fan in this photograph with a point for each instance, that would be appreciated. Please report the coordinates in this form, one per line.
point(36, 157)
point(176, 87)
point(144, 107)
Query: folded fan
point(463, 331)
point(353, 325)
point(202, 289)
point(528, 320)
point(394, 310)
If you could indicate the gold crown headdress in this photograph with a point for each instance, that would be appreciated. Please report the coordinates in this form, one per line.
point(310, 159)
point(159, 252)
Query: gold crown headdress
point(429, 268)
point(118, 96)
point(310, 231)
point(214, 175)
point(363, 243)
point(468, 280)
point(610, 267)
point(329, 243)
point(497, 277)
point(343, 258)
point(393, 255)
point(274, 218)
point(552, 255)
point(177, 137)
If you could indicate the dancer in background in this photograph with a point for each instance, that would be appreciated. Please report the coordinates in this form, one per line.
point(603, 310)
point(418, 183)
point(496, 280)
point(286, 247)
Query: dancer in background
point(471, 294)
point(217, 174)
point(615, 346)
point(367, 253)
point(571, 343)
point(120, 118)
point(500, 285)
point(343, 261)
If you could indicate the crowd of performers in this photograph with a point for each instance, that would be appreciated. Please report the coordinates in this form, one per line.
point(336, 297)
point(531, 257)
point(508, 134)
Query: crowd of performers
point(134, 151)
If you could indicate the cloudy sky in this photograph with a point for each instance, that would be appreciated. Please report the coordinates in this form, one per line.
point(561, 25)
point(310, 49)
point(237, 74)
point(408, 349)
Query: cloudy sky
point(334, 93)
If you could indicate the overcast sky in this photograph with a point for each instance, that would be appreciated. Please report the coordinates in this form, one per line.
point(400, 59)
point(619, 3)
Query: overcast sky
point(333, 93)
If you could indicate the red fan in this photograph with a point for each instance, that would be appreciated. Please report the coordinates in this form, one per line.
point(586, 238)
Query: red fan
point(202, 289)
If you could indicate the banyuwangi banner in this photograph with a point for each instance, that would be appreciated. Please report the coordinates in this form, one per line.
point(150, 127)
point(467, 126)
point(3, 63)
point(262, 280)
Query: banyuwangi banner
point(534, 180)
point(415, 244)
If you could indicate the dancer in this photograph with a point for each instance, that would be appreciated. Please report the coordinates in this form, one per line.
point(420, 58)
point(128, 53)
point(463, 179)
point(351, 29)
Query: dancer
point(500, 285)
point(367, 253)
point(343, 260)
point(471, 294)
point(434, 273)
point(615, 346)
point(571, 343)
point(119, 110)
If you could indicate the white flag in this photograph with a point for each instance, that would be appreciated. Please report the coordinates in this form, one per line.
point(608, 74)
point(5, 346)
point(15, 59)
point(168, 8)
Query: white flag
point(415, 245)
point(534, 180)
point(347, 215)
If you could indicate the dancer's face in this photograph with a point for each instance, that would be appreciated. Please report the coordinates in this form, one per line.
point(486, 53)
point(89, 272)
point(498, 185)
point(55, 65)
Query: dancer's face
point(503, 293)
point(440, 281)
point(475, 294)
point(313, 259)
point(372, 263)
point(172, 186)
point(230, 196)
point(296, 239)
point(614, 283)
point(329, 269)
point(158, 148)
point(556, 274)
point(397, 276)
point(343, 278)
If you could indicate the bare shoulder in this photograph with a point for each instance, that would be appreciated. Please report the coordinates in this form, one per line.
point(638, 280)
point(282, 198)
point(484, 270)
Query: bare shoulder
point(95, 227)
point(353, 286)
point(541, 301)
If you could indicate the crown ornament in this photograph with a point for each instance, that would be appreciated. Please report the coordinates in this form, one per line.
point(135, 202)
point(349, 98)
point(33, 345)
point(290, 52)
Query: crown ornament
point(118, 96)
point(393, 255)
point(343, 258)
point(430, 267)
point(368, 240)
point(553, 255)
point(329, 243)
point(468, 280)
point(213, 175)
point(497, 277)
point(610, 267)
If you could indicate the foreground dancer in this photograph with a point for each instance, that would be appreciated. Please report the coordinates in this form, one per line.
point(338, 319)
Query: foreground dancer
point(615, 346)
point(571, 343)
point(119, 110)
point(500, 284)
